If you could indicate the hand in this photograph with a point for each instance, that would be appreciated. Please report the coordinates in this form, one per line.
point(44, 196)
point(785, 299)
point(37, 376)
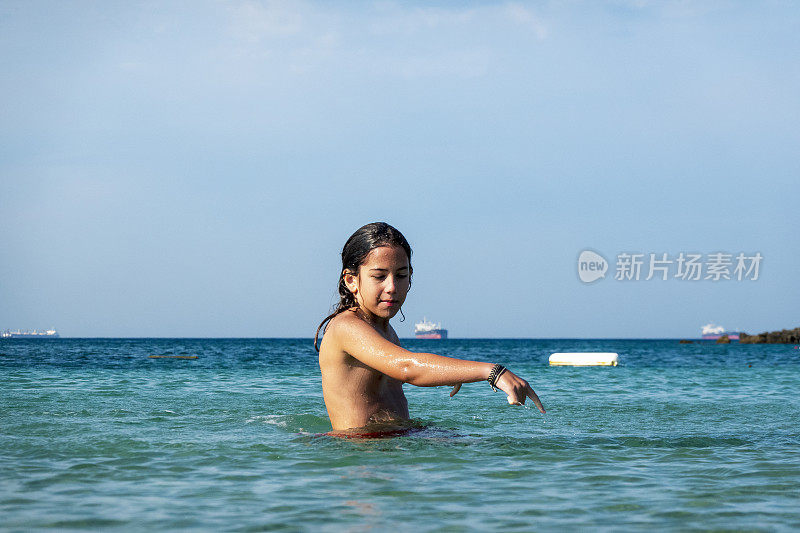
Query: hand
point(517, 389)
point(456, 388)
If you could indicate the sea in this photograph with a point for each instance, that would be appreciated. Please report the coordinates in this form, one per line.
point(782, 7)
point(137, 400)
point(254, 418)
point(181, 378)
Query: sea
point(97, 435)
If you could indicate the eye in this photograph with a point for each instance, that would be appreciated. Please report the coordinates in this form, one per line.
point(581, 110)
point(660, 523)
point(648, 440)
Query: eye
point(402, 276)
point(378, 277)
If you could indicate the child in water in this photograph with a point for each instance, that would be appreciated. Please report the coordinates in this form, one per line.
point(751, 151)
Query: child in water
point(363, 365)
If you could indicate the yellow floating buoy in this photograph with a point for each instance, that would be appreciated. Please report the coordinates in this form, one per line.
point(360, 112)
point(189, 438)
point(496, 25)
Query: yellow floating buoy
point(584, 359)
point(173, 357)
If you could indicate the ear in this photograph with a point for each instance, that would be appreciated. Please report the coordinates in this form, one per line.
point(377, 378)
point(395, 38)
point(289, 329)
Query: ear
point(351, 281)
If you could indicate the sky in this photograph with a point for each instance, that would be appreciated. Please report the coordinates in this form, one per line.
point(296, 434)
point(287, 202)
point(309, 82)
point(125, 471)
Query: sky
point(193, 169)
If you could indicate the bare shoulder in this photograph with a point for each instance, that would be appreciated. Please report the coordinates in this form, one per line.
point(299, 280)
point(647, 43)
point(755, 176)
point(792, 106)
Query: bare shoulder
point(339, 326)
point(348, 326)
point(342, 324)
point(350, 336)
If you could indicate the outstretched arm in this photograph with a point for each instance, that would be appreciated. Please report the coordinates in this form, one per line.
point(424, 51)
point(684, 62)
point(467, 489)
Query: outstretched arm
point(358, 339)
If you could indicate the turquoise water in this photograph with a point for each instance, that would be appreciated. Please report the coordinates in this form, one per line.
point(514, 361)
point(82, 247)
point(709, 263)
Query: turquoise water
point(94, 434)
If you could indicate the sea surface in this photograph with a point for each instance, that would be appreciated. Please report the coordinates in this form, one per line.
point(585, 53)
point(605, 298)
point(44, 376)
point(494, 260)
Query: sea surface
point(94, 434)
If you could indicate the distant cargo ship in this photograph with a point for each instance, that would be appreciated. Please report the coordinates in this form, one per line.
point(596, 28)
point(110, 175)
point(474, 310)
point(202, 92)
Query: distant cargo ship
point(712, 333)
point(47, 334)
point(429, 330)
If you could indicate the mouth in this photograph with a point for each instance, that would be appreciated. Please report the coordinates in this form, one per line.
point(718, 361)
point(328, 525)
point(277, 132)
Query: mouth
point(390, 303)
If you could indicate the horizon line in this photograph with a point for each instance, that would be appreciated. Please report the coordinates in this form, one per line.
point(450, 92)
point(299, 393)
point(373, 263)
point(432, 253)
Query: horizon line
point(61, 337)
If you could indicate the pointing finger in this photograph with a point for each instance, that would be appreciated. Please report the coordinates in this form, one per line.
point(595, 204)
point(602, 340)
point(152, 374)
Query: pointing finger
point(536, 401)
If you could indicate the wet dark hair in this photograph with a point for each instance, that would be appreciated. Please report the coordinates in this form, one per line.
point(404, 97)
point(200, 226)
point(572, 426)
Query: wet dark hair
point(355, 251)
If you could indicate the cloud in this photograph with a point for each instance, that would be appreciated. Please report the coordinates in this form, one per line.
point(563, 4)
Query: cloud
point(524, 16)
point(389, 19)
point(386, 38)
point(254, 21)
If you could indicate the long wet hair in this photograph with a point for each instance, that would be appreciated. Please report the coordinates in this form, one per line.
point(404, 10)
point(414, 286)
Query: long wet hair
point(355, 251)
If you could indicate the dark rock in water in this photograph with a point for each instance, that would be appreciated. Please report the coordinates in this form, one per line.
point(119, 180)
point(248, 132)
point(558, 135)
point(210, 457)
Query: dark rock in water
point(684, 341)
point(724, 340)
point(785, 336)
point(744, 338)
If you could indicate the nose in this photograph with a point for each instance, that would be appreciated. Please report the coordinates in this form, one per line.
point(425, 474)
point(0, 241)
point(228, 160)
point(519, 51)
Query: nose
point(391, 286)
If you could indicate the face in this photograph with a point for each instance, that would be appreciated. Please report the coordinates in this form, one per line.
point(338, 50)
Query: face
point(382, 282)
